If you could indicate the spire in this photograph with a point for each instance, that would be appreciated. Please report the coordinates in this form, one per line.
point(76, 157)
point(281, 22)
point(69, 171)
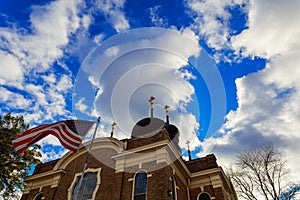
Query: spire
point(112, 129)
point(167, 113)
point(189, 151)
point(151, 100)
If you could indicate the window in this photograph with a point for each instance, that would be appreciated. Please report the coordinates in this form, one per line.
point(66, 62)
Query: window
point(174, 192)
point(89, 185)
point(39, 196)
point(204, 196)
point(140, 186)
point(87, 188)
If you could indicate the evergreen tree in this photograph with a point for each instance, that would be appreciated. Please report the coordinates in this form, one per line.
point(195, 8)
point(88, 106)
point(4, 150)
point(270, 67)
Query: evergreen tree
point(14, 168)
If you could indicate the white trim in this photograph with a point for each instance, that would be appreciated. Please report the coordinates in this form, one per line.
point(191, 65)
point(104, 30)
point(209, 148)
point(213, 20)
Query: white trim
point(99, 143)
point(98, 170)
point(173, 180)
point(38, 181)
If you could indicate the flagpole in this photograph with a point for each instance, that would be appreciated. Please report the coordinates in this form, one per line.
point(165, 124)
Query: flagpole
point(86, 160)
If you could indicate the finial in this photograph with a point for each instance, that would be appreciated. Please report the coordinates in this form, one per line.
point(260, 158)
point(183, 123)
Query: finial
point(166, 108)
point(167, 113)
point(189, 151)
point(151, 100)
point(112, 129)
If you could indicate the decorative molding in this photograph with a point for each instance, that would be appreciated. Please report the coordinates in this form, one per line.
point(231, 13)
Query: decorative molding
point(159, 152)
point(38, 181)
point(99, 143)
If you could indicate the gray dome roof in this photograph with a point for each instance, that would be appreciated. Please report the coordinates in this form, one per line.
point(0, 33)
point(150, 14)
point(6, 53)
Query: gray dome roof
point(147, 127)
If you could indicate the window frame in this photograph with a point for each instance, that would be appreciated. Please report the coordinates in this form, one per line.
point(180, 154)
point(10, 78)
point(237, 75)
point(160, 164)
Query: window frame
point(174, 187)
point(133, 186)
point(40, 193)
point(77, 175)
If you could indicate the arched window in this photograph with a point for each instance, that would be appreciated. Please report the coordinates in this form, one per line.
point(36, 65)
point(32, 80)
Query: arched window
point(204, 196)
point(89, 185)
point(140, 186)
point(87, 188)
point(39, 196)
point(174, 192)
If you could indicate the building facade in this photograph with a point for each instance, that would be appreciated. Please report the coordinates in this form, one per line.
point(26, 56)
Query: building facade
point(148, 166)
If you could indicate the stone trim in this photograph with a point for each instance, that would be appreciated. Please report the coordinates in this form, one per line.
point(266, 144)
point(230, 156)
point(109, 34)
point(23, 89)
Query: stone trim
point(38, 181)
point(99, 143)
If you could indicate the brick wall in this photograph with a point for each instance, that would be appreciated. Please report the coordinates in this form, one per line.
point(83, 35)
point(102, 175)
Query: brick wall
point(119, 186)
point(207, 162)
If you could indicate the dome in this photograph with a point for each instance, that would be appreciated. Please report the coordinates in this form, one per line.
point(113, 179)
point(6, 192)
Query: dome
point(172, 130)
point(147, 127)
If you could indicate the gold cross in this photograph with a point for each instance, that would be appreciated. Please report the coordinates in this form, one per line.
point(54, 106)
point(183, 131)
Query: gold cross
point(188, 144)
point(151, 100)
point(112, 128)
point(166, 108)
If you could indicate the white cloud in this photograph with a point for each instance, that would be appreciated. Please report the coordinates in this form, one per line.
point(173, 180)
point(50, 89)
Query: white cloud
point(98, 38)
point(154, 14)
point(268, 100)
point(64, 84)
point(112, 9)
point(273, 29)
point(33, 57)
point(212, 19)
point(79, 105)
point(134, 66)
point(11, 72)
point(39, 49)
point(188, 126)
point(14, 100)
point(86, 21)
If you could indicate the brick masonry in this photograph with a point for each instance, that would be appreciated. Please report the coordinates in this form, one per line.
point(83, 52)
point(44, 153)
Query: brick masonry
point(192, 177)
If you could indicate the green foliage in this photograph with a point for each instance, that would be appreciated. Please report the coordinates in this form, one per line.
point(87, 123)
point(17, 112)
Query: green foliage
point(14, 168)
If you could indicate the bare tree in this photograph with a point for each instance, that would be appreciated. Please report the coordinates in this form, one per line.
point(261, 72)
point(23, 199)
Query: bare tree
point(260, 173)
point(291, 192)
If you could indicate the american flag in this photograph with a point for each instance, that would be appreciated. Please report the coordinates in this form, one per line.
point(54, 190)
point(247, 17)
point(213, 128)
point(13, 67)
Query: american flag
point(69, 133)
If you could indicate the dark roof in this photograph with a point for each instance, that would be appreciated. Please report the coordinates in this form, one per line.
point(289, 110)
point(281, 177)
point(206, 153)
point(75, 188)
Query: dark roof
point(147, 127)
point(199, 164)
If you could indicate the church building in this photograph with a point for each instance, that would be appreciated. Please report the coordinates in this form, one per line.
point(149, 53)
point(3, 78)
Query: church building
point(147, 166)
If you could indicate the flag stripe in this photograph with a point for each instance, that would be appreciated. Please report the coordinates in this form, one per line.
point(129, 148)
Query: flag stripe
point(32, 132)
point(56, 133)
point(72, 137)
point(36, 129)
point(68, 138)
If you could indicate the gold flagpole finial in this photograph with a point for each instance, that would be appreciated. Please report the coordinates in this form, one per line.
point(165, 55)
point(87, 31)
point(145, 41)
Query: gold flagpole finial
point(112, 129)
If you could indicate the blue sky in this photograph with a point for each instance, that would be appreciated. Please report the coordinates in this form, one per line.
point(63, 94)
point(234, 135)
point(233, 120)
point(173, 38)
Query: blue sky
point(228, 69)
